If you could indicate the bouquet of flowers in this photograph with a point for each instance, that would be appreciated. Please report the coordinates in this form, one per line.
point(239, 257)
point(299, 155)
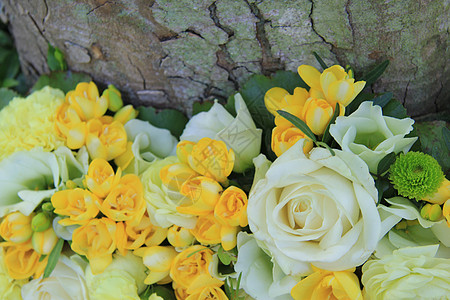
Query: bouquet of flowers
point(301, 186)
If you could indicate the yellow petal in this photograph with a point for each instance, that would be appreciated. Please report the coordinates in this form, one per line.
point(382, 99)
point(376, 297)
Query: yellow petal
point(310, 75)
point(274, 99)
point(304, 289)
point(338, 72)
point(340, 91)
point(313, 93)
point(348, 285)
point(76, 136)
point(326, 79)
point(357, 88)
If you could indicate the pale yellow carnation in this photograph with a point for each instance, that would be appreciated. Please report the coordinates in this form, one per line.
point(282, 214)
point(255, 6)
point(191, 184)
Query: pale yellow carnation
point(28, 122)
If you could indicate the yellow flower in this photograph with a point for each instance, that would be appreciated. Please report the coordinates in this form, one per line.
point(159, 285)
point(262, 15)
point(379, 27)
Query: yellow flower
point(212, 159)
point(278, 99)
point(184, 149)
point(97, 241)
point(78, 204)
point(106, 139)
point(22, 261)
point(126, 200)
point(9, 288)
point(180, 237)
point(174, 175)
point(44, 241)
point(334, 84)
point(100, 178)
point(442, 195)
point(206, 287)
point(284, 138)
point(231, 209)
point(86, 102)
point(70, 127)
point(446, 212)
point(158, 259)
point(228, 237)
point(26, 123)
point(16, 227)
point(123, 160)
point(207, 230)
point(190, 264)
point(131, 235)
point(203, 192)
point(114, 98)
point(324, 284)
point(317, 113)
point(125, 114)
point(295, 110)
point(179, 291)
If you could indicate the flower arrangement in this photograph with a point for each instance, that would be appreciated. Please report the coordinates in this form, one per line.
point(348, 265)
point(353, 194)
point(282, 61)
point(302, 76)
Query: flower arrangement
point(302, 186)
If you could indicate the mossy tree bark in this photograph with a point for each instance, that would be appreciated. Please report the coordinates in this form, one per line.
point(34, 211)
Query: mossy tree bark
point(169, 53)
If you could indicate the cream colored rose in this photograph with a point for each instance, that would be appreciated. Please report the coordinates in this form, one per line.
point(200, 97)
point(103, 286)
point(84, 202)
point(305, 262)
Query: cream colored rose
point(317, 209)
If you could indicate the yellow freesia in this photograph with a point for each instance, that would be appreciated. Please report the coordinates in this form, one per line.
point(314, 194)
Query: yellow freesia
point(101, 178)
point(44, 241)
point(203, 192)
point(16, 227)
point(78, 204)
point(284, 138)
point(174, 175)
point(322, 284)
point(231, 209)
point(442, 194)
point(180, 237)
point(106, 139)
point(207, 230)
point(86, 102)
point(22, 261)
point(158, 259)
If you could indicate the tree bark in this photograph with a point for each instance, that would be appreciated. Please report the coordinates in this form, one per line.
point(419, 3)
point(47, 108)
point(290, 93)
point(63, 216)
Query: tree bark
point(171, 53)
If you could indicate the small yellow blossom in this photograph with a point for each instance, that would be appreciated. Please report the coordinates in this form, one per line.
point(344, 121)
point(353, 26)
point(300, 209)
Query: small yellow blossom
point(16, 227)
point(158, 259)
point(86, 102)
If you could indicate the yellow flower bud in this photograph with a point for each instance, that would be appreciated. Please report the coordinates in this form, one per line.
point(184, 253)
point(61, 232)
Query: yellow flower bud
point(174, 175)
point(317, 113)
point(228, 237)
point(125, 114)
point(442, 195)
point(100, 178)
point(44, 241)
point(184, 149)
point(97, 241)
point(284, 138)
point(114, 98)
point(207, 230)
point(123, 160)
point(432, 212)
point(278, 99)
point(69, 126)
point(180, 237)
point(190, 264)
point(16, 227)
point(231, 209)
point(86, 102)
point(78, 204)
point(105, 140)
point(324, 284)
point(40, 222)
point(70, 184)
point(22, 261)
point(446, 212)
point(212, 159)
point(295, 110)
point(203, 192)
point(158, 259)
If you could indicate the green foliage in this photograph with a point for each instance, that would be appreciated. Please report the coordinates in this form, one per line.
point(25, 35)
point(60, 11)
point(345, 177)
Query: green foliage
point(162, 291)
point(55, 59)
point(320, 61)
point(9, 60)
point(6, 95)
point(64, 81)
point(326, 138)
point(53, 258)
point(395, 109)
point(171, 119)
point(385, 163)
point(227, 257)
point(382, 100)
point(375, 73)
point(198, 107)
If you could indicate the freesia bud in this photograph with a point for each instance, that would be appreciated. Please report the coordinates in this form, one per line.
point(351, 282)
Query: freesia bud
point(442, 194)
point(40, 222)
point(432, 212)
point(114, 98)
point(180, 237)
point(48, 207)
point(125, 114)
point(44, 241)
point(16, 227)
point(70, 184)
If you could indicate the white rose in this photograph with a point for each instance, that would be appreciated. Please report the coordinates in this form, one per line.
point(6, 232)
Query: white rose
point(370, 135)
point(67, 281)
point(239, 133)
point(318, 209)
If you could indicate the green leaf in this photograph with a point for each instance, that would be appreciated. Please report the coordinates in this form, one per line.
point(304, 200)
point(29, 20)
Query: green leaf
point(65, 81)
point(320, 61)
point(55, 59)
point(164, 292)
point(385, 163)
point(375, 73)
point(225, 257)
point(326, 138)
point(53, 258)
point(171, 119)
point(299, 124)
point(198, 107)
point(10, 66)
point(382, 185)
point(9, 82)
point(288, 80)
point(326, 147)
point(395, 109)
point(42, 257)
point(382, 100)
point(6, 95)
point(230, 105)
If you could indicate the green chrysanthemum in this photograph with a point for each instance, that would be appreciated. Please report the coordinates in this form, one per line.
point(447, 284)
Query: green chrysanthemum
point(416, 175)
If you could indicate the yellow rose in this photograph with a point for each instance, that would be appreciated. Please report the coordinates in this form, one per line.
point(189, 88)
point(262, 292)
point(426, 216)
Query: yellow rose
point(158, 259)
point(22, 261)
point(174, 175)
point(334, 84)
point(206, 287)
point(231, 209)
point(100, 178)
point(278, 99)
point(212, 159)
point(16, 227)
point(86, 102)
point(106, 140)
point(442, 195)
point(324, 284)
point(97, 241)
point(44, 241)
point(126, 200)
point(203, 192)
point(446, 211)
point(284, 137)
point(180, 237)
point(190, 264)
point(207, 230)
point(78, 204)
point(132, 235)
